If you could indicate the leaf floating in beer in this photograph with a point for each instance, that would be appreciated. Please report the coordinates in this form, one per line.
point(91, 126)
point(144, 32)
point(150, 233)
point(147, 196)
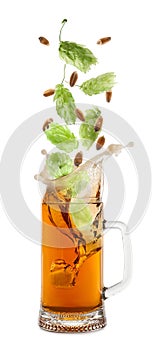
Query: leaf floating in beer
point(62, 137)
point(65, 104)
point(59, 164)
point(44, 41)
point(77, 182)
point(101, 83)
point(80, 213)
point(77, 55)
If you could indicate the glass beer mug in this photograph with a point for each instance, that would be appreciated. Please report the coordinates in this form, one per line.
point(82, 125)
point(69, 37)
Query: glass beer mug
point(73, 229)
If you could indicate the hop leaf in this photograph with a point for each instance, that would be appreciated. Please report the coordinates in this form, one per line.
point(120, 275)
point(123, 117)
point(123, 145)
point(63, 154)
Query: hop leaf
point(59, 164)
point(65, 104)
point(62, 137)
point(94, 86)
point(77, 55)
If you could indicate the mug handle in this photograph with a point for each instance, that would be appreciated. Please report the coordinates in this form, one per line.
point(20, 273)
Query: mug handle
point(112, 290)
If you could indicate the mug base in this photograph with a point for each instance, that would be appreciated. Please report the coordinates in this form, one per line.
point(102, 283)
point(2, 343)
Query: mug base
point(64, 322)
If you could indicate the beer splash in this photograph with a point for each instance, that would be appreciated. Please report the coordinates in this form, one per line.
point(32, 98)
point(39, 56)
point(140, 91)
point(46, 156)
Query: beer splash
point(82, 243)
point(99, 159)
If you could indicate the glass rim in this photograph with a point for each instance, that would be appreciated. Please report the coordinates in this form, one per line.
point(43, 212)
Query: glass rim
point(86, 200)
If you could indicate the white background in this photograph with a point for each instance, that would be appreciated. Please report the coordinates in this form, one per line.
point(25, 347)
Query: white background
point(27, 69)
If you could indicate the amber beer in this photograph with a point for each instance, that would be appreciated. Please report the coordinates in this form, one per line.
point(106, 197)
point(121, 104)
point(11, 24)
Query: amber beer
point(71, 265)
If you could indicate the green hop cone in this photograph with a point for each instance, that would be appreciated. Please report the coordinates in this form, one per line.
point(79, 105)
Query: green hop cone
point(59, 164)
point(62, 137)
point(77, 55)
point(94, 86)
point(91, 115)
point(65, 104)
point(87, 133)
